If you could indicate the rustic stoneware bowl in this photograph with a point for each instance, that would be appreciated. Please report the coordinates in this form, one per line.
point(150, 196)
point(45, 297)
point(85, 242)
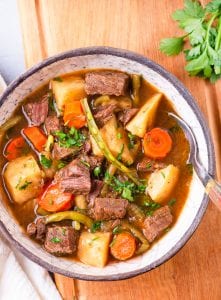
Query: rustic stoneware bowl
point(195, 206)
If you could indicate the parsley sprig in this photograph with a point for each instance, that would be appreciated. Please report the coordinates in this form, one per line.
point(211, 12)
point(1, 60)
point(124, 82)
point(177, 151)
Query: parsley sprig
point(69, 139)
point(203, 29)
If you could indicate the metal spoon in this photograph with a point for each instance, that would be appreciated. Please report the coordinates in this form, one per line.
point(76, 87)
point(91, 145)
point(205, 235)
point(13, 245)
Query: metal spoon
point(212, 187)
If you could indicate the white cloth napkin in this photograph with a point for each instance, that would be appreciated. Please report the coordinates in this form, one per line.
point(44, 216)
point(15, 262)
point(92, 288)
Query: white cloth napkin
point(20, 278)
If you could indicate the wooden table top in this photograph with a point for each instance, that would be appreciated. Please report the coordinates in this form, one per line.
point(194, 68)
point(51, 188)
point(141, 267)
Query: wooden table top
point(50, 27)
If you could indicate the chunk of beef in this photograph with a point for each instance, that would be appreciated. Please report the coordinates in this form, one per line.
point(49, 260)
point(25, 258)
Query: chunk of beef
point(62, 152)
point(52, 124)
point(37, 230)
point(74, 178)
point(92, 161)
point(127, 114)
point(155, 224)
point(109, 208)
point(95, 192)
point(104, 113)
point(36, 112)
point(106, 83)
point(61, 240)
point(149, 165)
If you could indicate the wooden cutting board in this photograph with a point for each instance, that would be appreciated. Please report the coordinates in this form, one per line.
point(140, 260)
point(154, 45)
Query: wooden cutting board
point(53, 26)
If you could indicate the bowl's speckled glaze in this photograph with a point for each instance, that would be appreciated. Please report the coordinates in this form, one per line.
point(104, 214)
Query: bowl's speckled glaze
point(105, 57)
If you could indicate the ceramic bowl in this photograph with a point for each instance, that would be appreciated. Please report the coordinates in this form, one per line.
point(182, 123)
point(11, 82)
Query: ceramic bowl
point(195, 206)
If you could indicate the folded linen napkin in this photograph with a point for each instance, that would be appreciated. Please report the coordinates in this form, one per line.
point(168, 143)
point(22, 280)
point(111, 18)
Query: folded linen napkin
point(20, 278)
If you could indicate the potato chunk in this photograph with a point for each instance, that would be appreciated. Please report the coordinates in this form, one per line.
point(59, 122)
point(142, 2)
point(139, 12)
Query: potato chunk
point(145, 117)
point(70, 88)
point(23, 178)
point(93, 248)
point(117, 141)
point(162, 182)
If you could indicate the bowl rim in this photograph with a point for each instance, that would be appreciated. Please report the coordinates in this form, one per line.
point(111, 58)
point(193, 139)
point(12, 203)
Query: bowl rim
point(97, 50)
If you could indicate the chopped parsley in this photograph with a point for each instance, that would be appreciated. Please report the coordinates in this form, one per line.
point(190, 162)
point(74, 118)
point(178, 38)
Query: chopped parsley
point(172, 202)
point(126, 189)
point(151, 206)
point(97, 171)
point(119, 156)
point(119, 135)
point(59, 79)
point(61, 164)
point(45, 162)
point(149, 165)
point(116, 230)
point(55, 240)
point(163, 174)
point(72, 138)
point(23, 186)
point(131, 143)
point(95, 226)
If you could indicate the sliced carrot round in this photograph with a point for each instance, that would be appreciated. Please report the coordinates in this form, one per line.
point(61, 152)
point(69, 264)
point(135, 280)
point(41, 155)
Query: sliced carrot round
point(53, 199)
point(157, 143)
point(123, 246)
point(14, 148)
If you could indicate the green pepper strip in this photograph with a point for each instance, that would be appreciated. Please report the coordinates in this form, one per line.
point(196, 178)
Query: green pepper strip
point(145, 245)
point(94, 131)
point(71, 215)
point(136, 83)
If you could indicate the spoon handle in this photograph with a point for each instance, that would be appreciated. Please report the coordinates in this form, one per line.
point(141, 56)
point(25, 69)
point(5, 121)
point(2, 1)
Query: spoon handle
point(213, 189)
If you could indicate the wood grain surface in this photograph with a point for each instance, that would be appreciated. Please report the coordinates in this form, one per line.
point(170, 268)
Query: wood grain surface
point(53, 26)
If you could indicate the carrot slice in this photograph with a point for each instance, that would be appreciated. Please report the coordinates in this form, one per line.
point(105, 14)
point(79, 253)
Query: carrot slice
point(36, 137)
point(14, 148)
point(157, 143)
point(74, 115)
point(123, 246)
point(53, 199)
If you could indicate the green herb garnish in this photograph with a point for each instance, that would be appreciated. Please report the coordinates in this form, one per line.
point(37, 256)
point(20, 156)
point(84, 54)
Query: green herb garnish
point(151, 206)
point(119, 156)
point(119, 135)
point(45, 162)
point(72, 138)
point(163, 174)
point(116, 230)
point(203, 31)
point(61, 164)
point(85, 163)
point(55, 240)
point(24, 185)
point(97, 171)
point(149, 165)
point(126, 189)
point(95, 226)
point(172, 202)
point(132, 138)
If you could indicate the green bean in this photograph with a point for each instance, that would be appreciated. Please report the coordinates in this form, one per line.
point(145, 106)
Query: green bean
point(69, 215)
point(136, 83)
point(94, 131)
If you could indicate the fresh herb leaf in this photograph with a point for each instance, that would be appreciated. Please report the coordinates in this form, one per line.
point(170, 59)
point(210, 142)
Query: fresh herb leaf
point(70, 139)
point(172, 46)
point(132, 138)
point(24, 185)
point(95, 226)
point(172, 202)
point(150, 207)
point(119, 135)
point(97, 171)
point(163, 174)
point(119, 156)
point(45, 162)
point(59, 79)
point(61, 164)
point(55, 240)
point(203, 30)
point(149, 165)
